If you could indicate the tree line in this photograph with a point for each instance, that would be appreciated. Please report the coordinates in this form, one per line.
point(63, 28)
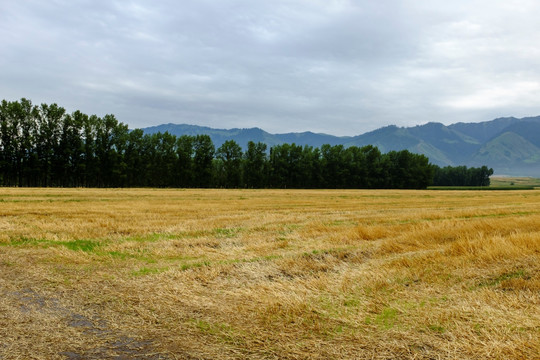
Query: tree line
point(462, 176)
point(45, 146)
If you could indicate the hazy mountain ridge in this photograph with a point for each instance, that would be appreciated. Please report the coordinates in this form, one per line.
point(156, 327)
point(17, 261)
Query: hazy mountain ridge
point(510, 145)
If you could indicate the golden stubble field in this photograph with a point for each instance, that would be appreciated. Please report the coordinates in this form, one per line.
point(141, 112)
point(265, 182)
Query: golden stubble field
point(192, 274)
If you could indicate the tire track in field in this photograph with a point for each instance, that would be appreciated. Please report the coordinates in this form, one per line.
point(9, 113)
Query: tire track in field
point(110, 344)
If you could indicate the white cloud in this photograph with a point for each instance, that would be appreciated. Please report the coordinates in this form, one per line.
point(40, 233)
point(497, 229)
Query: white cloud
point(287, 65)
point(521, 93)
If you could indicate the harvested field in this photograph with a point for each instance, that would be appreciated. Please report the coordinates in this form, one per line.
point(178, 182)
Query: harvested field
point(293, 274)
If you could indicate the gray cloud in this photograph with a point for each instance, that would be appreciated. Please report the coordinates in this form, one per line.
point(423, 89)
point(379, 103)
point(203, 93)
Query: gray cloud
point(342, 67)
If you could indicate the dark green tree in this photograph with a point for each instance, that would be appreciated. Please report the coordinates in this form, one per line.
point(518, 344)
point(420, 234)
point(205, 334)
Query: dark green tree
point(334, 166)
point(230, 155)
point(279, 166)
point(255, 165)
point(309, 168)
point(111, 141)
point(136, 159)
point(358, 171)
point(202, 160)
point(17, 142)
point(70, 165)
point(375, 174)
point(185, 168)
point(50, 119)
point(90, 159)
point(164, 160)
point(461, 176)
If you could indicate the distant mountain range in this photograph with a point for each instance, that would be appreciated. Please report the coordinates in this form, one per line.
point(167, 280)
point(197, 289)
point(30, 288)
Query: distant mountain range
point(509, 145)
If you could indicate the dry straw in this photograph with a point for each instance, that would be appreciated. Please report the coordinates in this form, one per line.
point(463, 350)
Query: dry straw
point(269, 274)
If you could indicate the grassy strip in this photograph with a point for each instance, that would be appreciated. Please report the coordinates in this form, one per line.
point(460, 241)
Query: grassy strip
point(84, 245)
point(519, 187)
point(514, 181)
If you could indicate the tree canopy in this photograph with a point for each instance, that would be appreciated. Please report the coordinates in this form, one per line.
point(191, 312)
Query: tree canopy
point(45, 146)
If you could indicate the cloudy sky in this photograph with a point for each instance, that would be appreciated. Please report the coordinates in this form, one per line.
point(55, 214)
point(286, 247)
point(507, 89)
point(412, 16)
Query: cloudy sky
point(335, 66)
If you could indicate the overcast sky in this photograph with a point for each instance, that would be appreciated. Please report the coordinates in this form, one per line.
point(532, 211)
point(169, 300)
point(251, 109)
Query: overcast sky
point(340, 67)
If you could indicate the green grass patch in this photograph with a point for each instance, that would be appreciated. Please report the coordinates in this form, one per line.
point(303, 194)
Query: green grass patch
point(351, 302)
point(437, 328)
point(494, 281)
point(144, 271)
point(120, 255)
point(194, 265)
point(85, 245)
point(386, 319)
point(226, 232)
point(81, 245)
point(23, 241)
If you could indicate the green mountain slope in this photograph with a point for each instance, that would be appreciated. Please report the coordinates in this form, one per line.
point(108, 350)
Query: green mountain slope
point(509, 145)
point(483, 131)
point(454, 144)
point(441, 144)
point(529, 130)
point(386, 139)
point(435, 155)
point(510, 154)
point(243, 136)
